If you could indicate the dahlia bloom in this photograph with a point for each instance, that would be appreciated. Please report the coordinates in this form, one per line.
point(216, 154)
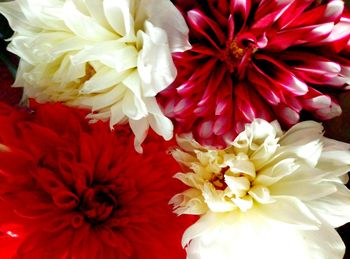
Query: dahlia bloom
point(267, 59)
point(268, 195)
point(69, 189)
point(110, 56)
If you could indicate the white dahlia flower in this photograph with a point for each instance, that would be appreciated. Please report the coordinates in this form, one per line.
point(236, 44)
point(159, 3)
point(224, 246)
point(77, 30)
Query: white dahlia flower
point(270, 195)
point(111, 56)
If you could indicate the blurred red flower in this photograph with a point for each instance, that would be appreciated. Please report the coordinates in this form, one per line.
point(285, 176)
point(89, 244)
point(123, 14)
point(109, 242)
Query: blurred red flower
point(69, 189)
point(257, 59)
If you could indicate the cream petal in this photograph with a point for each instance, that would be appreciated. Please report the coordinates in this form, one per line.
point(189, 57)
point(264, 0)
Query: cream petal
point(245, 167)
point(276, 172)
point(84, 26)
point(16, 18)
point(238, 185)
point(159, 13)
point(189, 202)
point(104, 79)
point(158, 121)
point(96, 10)
point(305, 190)
point(155, 64)
point(310, 152)
point(323, 244)
point(203, 225)
point(134, 107)
point(113, 54)
point(190, 179)
point(335, 208)
point(261, 194)
point(216, 200)
point(117, 114)
point(140, 129)
point(302, 133)
point(120, 18)
point(290, 211)
point(245, 203)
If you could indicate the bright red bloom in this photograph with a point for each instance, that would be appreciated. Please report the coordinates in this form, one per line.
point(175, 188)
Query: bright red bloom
point(73, 190)
point(270, 59)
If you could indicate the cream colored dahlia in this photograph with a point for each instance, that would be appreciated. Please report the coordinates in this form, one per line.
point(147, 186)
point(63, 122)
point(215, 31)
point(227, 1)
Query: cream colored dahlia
point(111, 56)
point(269, 195)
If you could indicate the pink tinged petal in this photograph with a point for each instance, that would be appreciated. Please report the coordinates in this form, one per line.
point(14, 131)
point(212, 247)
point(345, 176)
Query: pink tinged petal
point(262, 41)
point(243, 103)
point(205, 129)
point(264, 17)
point(285, 39)
point(202, 49)
point(216, 80)
point(241, 9)
point(169, 108)
point(263, 86)
point(313, 63)
point(286, 115)
point(315, 69)
point(281, 76)
point(222, 125)
point(323, 106)
point(339, 35)
point(249, 104)
point(202, 110)
point(224, 98)
point(197, 79)
point(322, 14)
point(231, 28)
point(292, 13)
point(184, 107)
point(220, 12)
point(207, 28)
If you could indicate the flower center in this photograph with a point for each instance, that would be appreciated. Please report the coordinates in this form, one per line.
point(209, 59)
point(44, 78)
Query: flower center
point(237, 55)
point(236, 182)
point(98, 203)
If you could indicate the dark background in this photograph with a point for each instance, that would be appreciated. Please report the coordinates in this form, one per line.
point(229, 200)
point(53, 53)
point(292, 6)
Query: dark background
point(338, 128)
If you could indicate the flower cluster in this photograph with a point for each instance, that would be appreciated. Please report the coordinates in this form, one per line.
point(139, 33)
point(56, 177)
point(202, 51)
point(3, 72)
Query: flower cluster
point(66, 185)
point(265, 194)
point(87, 149)
point(257, 59)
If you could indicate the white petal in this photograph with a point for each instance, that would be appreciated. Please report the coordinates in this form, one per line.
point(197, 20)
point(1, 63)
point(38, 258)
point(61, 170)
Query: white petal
point(304, 190)
point(140, 129)
point(157, 120)
point(119, 17)
point(216, 200)
point(84, 26)
point(302, 133)
point(113, 54)
point(290, 211)
point(155, 64)
point(335, 208)
point(164, 14)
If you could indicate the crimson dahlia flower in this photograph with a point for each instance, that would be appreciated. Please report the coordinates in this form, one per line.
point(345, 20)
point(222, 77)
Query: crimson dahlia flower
point(73, 190)
point(269, 59)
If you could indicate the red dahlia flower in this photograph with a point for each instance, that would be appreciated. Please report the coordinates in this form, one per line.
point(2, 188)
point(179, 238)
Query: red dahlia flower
point(73, 190)
point(269, 59)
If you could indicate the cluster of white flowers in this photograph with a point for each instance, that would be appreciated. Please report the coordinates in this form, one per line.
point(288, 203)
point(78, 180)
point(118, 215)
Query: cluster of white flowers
point(269, 195)
point(109, 56)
